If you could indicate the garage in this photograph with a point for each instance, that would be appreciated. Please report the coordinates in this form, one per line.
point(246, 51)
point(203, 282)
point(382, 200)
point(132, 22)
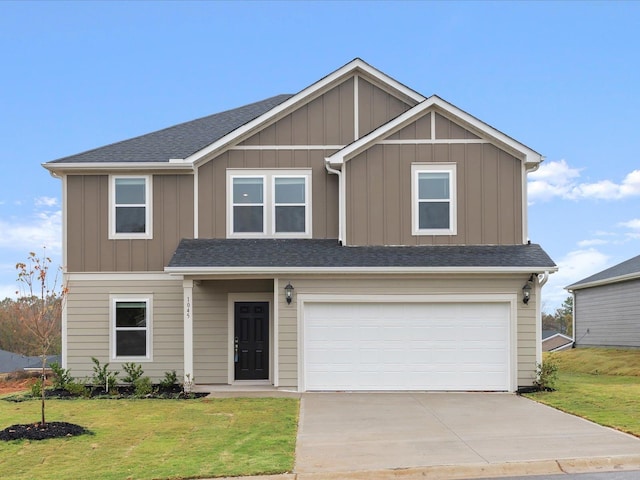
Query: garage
point(406, 346)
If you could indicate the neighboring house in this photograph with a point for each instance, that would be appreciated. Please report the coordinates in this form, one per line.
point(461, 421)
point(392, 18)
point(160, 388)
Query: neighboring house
point(606, 307)
point(12, 362)
point(555, 341)
point(353, 236)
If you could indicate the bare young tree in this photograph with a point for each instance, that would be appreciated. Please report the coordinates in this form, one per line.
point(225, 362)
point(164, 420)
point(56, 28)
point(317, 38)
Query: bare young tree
point(39, 306)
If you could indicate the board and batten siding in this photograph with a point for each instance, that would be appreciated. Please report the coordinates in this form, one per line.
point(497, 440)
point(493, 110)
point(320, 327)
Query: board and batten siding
point(89, 248)
point(610, 313)
point(88, 324)
point(397, 285)
point(489, 195)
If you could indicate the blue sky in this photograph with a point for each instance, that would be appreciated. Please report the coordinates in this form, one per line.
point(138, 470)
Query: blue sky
point(562, 78)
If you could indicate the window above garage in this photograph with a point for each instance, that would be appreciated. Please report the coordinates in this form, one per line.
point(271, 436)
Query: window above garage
point(434, 209)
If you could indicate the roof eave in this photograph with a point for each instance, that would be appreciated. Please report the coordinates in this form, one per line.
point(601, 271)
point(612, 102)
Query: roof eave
point(172, 165)
point(247, 271)
point(604, 281)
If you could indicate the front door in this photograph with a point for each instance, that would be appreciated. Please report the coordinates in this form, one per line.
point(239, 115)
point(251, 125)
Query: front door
point(251, 340)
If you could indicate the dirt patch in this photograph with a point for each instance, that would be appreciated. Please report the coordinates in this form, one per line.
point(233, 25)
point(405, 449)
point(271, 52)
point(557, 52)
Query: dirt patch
point(17, 382)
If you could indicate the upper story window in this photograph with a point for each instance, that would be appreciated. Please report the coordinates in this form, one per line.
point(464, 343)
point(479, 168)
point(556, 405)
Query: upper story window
point(434, 199)
point(269, 203)
point(130, 207)
point(131, 328)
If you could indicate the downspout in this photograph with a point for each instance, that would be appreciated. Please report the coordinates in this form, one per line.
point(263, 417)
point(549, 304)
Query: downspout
point(340, 199)
point(543, 277)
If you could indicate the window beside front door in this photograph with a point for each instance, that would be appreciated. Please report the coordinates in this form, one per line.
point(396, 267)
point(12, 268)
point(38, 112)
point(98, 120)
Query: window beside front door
point(131, 328)
point(130, 207)
point(269, 204)
point(434, 199)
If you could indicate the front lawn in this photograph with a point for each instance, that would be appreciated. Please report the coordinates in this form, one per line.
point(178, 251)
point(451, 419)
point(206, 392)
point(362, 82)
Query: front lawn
point(150, 439)
point(583, 388)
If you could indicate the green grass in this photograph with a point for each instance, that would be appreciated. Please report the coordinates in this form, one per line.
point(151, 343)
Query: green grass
point(602, 385)
point(152, 439)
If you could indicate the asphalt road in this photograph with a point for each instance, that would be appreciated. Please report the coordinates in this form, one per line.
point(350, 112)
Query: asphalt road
point(630, 475)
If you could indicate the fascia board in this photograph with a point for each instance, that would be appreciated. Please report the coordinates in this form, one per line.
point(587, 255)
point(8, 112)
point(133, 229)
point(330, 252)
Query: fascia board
point(352, 270)
point(605, 281)
point(353, 149)
point(117, 166)
point(305, 95)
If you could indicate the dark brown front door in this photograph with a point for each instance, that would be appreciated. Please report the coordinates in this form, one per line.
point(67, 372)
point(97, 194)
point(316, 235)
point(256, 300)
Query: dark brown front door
point(251, 340)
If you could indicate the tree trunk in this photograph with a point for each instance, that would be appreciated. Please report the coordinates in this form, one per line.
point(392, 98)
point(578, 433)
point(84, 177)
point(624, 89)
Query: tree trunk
point(43, 378)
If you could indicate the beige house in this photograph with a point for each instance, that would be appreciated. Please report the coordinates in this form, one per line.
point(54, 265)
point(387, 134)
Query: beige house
point(353, 236)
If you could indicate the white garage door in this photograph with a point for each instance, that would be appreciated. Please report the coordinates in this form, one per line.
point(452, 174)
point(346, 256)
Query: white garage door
point(408, 346)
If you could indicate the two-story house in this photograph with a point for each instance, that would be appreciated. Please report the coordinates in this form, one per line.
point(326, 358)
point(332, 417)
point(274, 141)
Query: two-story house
point(353, 236)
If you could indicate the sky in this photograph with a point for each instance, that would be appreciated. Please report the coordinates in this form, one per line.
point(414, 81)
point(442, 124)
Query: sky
point(561, 77)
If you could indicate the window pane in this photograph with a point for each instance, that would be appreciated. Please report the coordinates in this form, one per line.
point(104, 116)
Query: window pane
point(131, 343)
point(130, 220)
point(131, 314)
point(433, 185)
point(434, 215)
point(247, 219)
point(130, 191)
point(289, 190)
point(290, 219)
point(247, 190)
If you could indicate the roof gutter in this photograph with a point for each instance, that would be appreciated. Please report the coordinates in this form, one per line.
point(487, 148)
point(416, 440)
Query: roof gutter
point(172, 165)
point(341, 200)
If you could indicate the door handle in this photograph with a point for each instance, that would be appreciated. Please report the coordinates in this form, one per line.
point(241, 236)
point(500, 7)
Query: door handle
point(235, 346)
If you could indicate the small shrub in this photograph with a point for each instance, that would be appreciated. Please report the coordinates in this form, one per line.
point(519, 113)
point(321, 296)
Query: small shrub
point(546, 376)
point(36, 388)
point(142, 387)
point(102, 377)
point(169, 380)
point(133, 371)
point(61, 377)
point(77, 389)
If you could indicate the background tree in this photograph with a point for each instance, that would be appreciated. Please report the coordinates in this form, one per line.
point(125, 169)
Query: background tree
point(561, 320)
point(39, 306)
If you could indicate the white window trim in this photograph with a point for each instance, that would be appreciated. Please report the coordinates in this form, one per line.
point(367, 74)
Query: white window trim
point(269, 206)
point(148, 233)
point(449, 168)
point(113, 300)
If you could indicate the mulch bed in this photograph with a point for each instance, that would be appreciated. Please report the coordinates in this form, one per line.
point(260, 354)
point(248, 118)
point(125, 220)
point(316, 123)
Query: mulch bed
point(37, 431)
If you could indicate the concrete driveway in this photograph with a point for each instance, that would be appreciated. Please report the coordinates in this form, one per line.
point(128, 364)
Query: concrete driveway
point(486, 432)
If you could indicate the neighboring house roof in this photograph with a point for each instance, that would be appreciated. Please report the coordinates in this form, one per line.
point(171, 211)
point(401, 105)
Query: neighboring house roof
point(556, 342)
point(176, 142)
point(220, 255)
point(11, 362)
point(627, 270)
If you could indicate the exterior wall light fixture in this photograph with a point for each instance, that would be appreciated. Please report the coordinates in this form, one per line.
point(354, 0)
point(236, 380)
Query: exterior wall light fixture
point(288, 292)
point(526, 290)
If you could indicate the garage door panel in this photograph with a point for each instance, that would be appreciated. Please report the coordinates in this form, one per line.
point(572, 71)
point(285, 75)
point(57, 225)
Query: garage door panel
point(415, 346)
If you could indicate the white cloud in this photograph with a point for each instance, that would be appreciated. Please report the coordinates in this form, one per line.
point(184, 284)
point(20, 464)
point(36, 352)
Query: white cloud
point(8, 291)
point(46, 202)
point(573, 267)
point(592, 242)
point(632, 224)
point(558, 179)
point(43, 229)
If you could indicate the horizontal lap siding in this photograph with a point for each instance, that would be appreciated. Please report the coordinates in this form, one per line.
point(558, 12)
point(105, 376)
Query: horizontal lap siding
point(526, 322)
point(611, 313)
point(88, 325)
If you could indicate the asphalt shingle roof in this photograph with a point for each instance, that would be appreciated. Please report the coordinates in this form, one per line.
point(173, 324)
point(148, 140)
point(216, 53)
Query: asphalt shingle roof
point(328, 253)
point(628, 267)
point(178, 141)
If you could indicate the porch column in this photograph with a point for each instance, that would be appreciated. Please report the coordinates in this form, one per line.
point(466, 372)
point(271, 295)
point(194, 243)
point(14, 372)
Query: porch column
point(187, 286)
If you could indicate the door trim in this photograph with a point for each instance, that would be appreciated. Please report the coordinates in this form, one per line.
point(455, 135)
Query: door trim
point(508, 298)
point(247, 297)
